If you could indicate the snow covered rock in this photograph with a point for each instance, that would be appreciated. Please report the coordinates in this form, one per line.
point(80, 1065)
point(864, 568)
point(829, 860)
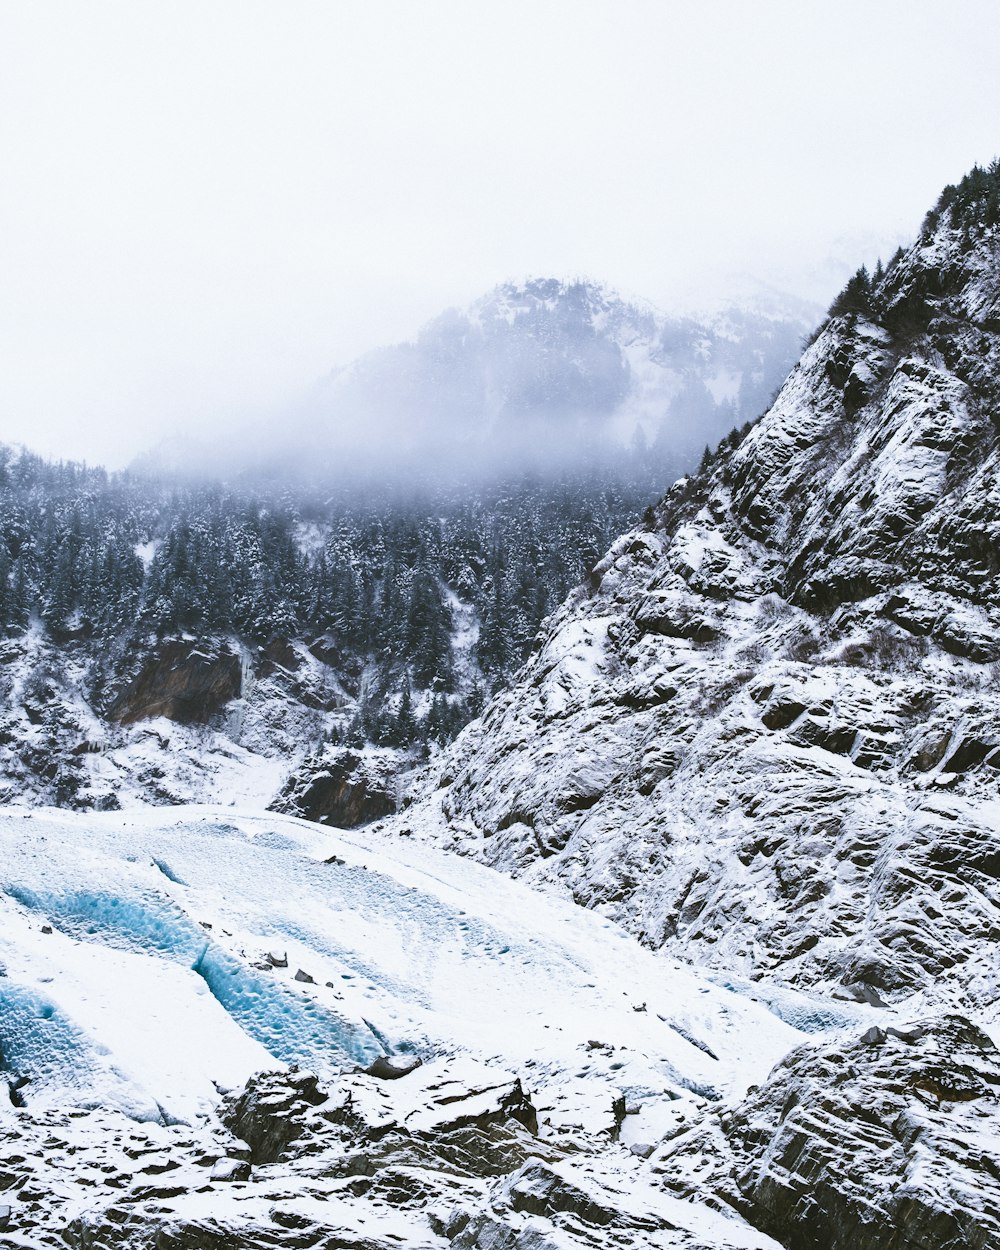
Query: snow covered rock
point(764, 736)
point(876, 1140)
point(154, 1049)
point(395, 1068)
point(271, 1111)
point(345, 788)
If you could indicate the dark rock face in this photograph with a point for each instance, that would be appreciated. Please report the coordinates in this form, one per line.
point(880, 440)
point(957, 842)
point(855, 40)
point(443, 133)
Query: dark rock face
point(539, 1189)
point(344, 788)
point(183, 682)
point(272, 1111)
point(880, 1142)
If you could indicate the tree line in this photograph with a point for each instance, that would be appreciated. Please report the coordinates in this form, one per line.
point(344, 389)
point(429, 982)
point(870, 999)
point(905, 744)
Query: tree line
point(111, 563)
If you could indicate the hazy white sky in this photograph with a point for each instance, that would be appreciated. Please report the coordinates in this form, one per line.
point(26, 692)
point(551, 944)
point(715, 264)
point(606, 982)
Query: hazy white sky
point(205, 204)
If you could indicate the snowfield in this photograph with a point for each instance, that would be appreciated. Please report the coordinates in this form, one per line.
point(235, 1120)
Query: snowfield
point(150, 958)
point(211, 1021)
point(154, 961)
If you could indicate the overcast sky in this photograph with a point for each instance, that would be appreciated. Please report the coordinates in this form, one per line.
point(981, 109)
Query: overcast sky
point(205, 204)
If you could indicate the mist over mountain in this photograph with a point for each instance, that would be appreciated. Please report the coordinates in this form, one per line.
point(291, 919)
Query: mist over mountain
point(368, 579)
point(544, 375)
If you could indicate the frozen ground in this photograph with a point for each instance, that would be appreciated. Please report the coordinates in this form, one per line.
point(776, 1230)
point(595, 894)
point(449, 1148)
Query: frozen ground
point(153, 960)
point(575, 1089)
point(144, 959)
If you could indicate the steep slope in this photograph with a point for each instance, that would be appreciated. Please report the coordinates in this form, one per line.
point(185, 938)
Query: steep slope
point(765, 737)
point(162, 642)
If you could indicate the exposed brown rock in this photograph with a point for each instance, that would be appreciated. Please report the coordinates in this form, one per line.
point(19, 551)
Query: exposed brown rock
point(185, 682)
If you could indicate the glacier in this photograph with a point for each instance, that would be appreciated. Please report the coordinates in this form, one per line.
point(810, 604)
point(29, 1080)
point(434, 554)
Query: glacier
point(155, 961)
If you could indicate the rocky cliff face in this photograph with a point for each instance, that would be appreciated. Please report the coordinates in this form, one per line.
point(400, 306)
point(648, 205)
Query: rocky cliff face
point(895, 1125)
point(190, 721)
point(182, 682)
point(881, 1138)
point(765, 736)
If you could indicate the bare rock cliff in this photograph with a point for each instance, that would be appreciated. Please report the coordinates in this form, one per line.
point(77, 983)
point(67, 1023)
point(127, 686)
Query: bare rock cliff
point(182, 681)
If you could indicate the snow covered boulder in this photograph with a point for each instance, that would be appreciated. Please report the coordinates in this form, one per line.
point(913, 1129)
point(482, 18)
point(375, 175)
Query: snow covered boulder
point(272, 1111)
point(393, 1068)
point(231, 1170)
point(344, 788)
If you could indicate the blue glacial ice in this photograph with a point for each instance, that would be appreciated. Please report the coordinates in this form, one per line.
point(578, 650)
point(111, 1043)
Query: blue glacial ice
point(291, 1026)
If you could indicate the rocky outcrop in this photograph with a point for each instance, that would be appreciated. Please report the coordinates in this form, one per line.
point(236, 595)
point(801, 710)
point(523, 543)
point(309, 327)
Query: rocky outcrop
point(297, 1164)
point(880, 1140)
point(272, 1111)
point(344, 788)
point(446, 1156)
point(184, 682)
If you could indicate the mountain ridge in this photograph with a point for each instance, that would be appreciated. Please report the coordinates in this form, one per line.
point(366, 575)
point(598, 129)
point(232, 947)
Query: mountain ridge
point(547, 350)
point(540, 373)
point(790, 669)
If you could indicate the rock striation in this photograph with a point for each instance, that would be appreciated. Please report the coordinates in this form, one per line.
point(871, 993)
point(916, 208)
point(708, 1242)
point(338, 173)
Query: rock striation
point(884, 1138)
point(181, 681)
point(889, 1130)
point(764, 736)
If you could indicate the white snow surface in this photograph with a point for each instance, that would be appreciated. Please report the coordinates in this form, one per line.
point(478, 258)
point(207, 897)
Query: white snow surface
point(137, 952)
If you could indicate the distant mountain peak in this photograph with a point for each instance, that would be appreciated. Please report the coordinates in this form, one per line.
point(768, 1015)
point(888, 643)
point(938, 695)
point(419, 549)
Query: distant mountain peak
point(536, 373)
point(535, 360)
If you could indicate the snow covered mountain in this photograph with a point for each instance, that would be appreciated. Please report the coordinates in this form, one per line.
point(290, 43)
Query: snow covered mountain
point(735, 982)
point(764, 737)
point(542, 374)
point(171, 643)
point(548, 371)
point(174, 640)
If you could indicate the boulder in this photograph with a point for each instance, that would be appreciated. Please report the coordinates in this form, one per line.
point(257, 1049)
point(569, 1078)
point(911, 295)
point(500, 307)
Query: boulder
point(343, 788)
point(393, 1067)
point(231, 1170)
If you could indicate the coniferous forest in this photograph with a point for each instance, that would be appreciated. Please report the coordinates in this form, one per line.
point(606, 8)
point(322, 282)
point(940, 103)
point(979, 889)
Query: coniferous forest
point(381, 572)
